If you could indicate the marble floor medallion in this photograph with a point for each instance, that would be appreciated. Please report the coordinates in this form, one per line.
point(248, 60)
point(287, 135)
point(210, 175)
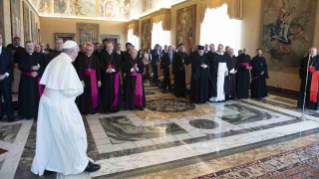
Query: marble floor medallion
point(246, 115)
point(120, 129)
point(8, 133)
point(169, 105)
point(203, 124)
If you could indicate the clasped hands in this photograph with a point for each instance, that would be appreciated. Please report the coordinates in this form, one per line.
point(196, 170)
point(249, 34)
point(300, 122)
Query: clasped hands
point(249, 67)
point(35, 68)
point(204, 66)
point(184, 66)
point(99, 84)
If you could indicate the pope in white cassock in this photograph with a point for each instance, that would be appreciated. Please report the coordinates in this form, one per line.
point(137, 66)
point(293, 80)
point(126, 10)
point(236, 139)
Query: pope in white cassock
point(61, 137)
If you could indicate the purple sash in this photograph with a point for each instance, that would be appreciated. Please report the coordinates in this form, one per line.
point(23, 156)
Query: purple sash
point(41, 87)
point(138, 101)
point(245, 64)
point(254, 78)
point(94, 90)
point(116, 88)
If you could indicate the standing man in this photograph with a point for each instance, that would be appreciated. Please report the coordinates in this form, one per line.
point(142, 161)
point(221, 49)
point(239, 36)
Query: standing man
point(105, 42)
point(6, 78)
point(206, 48)
point(259, 74)
point(181, 60)
point(88, 68)
point(133, 84)
point(48, 49)
point(42, 46)
point(226, 49)
point(222, 85)
point(156, 57)
point(97, 50)
point(239, 52)
point(57, 51)
point(201, 78)
point(126, 55)
point(312, 97)
point(111, 90)
point(32, 66)
point(82, 53)
point(167, 60)
point(193, 54)
point(61, 142)
point(232, 66)
point(165, 49)
point(244, 67)
point(37, 48)
point(118, 48)
point(213, 67)
point(20, 51)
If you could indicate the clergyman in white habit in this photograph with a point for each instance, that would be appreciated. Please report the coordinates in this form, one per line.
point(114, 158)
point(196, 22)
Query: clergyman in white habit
point(61, 137)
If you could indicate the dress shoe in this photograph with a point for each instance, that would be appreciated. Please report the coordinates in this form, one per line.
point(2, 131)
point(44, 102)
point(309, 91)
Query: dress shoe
point(48, 173)
point(92, 167)
point(141, 108)
point(28, 118)
point(1, 118)
point(10, 119)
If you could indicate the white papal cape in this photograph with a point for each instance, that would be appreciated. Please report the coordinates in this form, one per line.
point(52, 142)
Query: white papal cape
point(222, 68)
point(61, 137)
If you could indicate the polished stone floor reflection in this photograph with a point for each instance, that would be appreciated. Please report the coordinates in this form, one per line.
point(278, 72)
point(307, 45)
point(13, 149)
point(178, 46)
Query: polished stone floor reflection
point(173, 138)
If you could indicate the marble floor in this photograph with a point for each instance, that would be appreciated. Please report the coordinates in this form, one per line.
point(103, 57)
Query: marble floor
point(173, 138)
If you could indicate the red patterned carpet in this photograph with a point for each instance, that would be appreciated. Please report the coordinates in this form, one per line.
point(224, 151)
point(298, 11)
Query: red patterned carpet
point(2, 151)
point(294, 164)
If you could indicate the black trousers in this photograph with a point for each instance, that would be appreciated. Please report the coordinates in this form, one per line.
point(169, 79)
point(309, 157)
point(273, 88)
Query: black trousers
point(166, 81)
point(5, 91)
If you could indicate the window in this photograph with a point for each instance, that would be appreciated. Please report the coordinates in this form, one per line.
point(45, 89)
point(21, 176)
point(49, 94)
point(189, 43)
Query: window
point(132, 38)
point(159, 36)
point(218, 28)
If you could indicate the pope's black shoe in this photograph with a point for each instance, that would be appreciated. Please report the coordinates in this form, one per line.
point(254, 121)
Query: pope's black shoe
point(48, 173)
point(92, 167)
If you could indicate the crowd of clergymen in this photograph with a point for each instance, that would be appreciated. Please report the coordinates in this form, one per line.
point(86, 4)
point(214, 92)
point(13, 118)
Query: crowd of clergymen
point(209, 75)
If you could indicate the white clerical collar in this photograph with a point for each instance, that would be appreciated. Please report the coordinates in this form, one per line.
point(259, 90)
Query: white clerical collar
point(66, 56)
point(17, 46)
point(221, 53)
point(110, 53)
point(42, 51)
point(30, 53)
point(88, 55)
point(259, 55)
point(118, 52)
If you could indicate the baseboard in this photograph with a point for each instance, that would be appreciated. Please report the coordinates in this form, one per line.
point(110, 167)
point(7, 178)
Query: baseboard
point(283, 92)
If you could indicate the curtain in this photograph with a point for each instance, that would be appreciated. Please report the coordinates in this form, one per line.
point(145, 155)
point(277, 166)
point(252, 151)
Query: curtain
point(227, 32)
point(160, 36)
point(132, 38)
point(133, 25)
point(234, 10)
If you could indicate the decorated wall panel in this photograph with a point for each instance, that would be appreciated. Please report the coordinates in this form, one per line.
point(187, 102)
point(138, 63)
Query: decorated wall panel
point(15, 18)
point(2, 21)
point(146, 35)
point(26, 22)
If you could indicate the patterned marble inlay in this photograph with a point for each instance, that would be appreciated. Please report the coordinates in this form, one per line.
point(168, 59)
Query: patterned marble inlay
point(169, 105)
point(120, 129)
point(247, 114)
point(203, 124)
point(8, 133)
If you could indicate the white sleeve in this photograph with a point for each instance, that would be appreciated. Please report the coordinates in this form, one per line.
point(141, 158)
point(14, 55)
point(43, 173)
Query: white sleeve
point(72, 92)
point(132, 69)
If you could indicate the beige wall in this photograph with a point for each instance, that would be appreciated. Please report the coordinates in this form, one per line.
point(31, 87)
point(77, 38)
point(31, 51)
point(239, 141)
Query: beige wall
point(49, 26)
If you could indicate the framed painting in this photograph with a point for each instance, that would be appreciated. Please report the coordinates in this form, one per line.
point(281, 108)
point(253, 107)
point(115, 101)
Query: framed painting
point(88, 32)
point(33, 28)
point(15, 18)
point(146, 38)
point(87, 8)
point(60, 6)
point(44, 6)
point(287, 29)
point(112, 38)
point(2, 22)
point(185, 27)
point(26, 22)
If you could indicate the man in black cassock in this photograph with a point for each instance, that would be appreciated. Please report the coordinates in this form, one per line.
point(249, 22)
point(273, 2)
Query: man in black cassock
point(111, 90)
point(259, 74)
point(201, 79)
point(165, 62)
point(48, 49)
point(126, 54)
point(97, 50)
point(243, 78)
point(181, 60)
point(20, 51)
point(193, 54)
point(133, 83)
point(81, 53)
point(232, 66)
point(6, 78)
point(56, 51)
point(312, 97)
point(88, 69)
point(213, 67)
point(32, 66)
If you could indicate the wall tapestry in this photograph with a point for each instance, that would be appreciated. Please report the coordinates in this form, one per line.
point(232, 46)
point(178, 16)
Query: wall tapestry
point(185, 27)
point(33, 28)
point(88, 33)
point(26, 22)
point(15, 18)
point(286, 32)
point(146, 35)
point(2, 22)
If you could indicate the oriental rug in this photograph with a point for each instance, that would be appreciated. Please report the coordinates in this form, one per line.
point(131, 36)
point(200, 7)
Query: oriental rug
point(294, 164)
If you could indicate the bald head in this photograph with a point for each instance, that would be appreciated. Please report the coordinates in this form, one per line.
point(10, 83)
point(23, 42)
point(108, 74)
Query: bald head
point(109, 47)
point(133, 53)
point(42, 46)
point(245, 51)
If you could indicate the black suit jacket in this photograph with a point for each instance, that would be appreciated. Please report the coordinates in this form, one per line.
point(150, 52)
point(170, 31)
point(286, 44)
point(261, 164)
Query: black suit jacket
point(20, 52)
point(165, 62)
point(7, 64)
